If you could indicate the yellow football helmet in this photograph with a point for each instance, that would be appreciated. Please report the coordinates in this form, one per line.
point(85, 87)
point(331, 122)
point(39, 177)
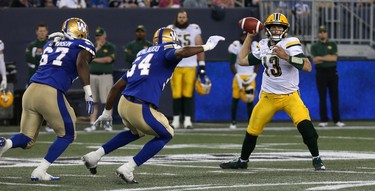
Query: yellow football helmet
point(203, 88)
point(276, 19)
point(75, 28)
point(247, 94)
point(6, 98)
point(164, 35)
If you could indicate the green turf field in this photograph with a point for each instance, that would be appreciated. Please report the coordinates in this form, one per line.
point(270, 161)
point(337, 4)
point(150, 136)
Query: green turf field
point(191, 161)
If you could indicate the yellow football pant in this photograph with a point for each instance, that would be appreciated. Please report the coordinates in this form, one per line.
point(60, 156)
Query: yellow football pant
point(269, 104)
point(182, 82)
point(236, 92)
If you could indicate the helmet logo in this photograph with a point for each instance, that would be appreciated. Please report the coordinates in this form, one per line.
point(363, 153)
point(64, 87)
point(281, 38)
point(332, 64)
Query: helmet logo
point(81, 26)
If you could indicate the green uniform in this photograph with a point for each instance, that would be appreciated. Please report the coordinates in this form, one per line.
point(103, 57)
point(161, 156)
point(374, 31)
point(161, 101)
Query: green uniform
point(33, 55)
point(322, 49)
point(108, 49)
point(133, 48)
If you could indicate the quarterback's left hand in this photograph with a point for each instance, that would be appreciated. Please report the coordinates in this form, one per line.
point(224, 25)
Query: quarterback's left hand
point(89, 104)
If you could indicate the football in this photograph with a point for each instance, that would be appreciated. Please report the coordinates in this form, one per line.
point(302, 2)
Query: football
point(251, 24)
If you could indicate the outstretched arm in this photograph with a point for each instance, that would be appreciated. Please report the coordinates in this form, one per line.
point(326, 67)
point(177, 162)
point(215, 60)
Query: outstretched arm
point(188, 51)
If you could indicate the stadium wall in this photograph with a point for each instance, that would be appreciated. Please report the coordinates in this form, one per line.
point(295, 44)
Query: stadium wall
point(356, 77)
point(18, 29)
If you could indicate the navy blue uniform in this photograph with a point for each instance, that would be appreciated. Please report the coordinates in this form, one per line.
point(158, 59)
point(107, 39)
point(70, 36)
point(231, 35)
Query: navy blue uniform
point(58, 64)
point(151, 71)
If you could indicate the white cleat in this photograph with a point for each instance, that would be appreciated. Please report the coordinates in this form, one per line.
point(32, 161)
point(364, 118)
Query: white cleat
point(340, 124)
point(175, 124)
point(323, 124)
point(188, 124)
point(49, 129)
point(91, 161)
point(90, 129)
point(37, 175)
point(3, 146)
point(109, 129)
point(125, 172)
point(232, 126)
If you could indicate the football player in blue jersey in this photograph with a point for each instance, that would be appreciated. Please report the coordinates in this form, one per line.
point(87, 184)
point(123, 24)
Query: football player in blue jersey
point(63, 60)
point(140, 89)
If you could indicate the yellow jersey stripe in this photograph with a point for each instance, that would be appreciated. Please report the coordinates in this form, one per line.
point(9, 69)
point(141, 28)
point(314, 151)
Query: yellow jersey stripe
point(296, 42)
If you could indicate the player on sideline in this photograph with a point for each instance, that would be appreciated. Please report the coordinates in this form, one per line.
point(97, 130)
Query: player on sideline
point(140, 89)
point(282, 58)
point(63, 60)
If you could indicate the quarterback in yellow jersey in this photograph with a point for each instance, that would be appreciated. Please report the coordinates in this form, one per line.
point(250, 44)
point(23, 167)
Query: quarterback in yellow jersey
point(281, 57)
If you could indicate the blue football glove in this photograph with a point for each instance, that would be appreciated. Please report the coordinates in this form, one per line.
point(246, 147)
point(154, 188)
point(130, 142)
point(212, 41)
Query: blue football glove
point(89, 104)
point(202, 73)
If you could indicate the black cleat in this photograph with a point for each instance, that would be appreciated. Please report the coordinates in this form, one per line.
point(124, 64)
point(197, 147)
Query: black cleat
point(234, 164)
point(318, 163)
point(93, 170)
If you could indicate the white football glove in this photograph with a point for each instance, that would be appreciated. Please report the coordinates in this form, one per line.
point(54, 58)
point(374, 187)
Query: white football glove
point(250, 79)
point(212, 42)
point(3, 84)
point(104, 120)
point(239, 81)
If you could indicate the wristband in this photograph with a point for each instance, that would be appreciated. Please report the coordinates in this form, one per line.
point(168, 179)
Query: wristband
point(107, 112)
point(296, 62)
point(201, 63)
point(87, 89)
point(205, 47)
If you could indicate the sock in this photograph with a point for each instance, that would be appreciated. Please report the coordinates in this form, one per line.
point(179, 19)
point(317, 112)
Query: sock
point(132, 163)
point(177, 104)
point(310, 136)
point(100, 152)
point(20, 140)
point(57, 148)
point(121, 139)
point(234, 109)
point(188, 105)
point(248, 146)
point(44, 165)
point(150, 149)
point(250, 107)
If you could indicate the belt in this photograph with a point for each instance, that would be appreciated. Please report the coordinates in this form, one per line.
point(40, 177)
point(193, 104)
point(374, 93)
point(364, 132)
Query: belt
point(139, 101)
point(99, 73)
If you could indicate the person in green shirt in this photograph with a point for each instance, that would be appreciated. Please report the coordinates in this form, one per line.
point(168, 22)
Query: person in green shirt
point(34, 53)
point(134, 46)
point(34, 49)
point(324, 55)
point(101, 69)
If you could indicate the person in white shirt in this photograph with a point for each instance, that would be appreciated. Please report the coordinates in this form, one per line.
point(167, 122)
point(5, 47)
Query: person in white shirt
point(3, 84)
point(71, 4)
point(243, 85)
point(182, 82)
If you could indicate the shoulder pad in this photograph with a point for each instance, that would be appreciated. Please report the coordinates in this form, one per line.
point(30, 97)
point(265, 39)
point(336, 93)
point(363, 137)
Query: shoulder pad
point(236, 43)
point(195, 26)
point(1, 45)
point(292, 41)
